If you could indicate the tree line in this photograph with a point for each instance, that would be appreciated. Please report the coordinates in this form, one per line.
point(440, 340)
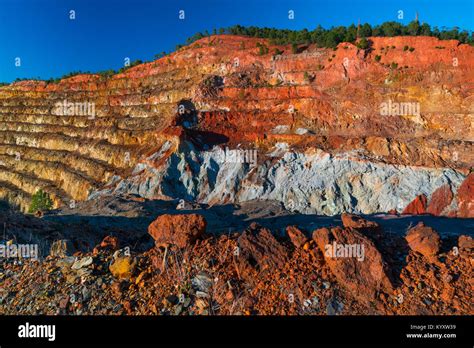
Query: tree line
point(320, 36)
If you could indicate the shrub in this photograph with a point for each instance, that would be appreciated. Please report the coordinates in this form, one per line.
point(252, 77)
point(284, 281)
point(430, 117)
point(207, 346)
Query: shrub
point(294, 48)
point(377, 58)
point(405, 48)
point(363, 44)
point(411, 49)
point(40, 201)
point(394, 65)
point(262, 49)
point(278, 52)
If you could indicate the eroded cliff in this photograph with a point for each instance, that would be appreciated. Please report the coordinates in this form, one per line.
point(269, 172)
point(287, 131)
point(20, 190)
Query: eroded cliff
point(321, 130)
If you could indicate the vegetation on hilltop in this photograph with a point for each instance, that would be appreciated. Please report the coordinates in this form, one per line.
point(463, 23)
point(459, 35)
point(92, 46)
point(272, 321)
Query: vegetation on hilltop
point(329, 38)
point(335, 35)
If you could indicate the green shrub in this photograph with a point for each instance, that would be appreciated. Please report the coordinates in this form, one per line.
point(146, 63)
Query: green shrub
point(363, 44)
point(294, 48)
point(40, 201)
point(278, 52)
point(394, 65)
point(262, 49)
point(411, 49)
point(405, 48)
point(377, 58)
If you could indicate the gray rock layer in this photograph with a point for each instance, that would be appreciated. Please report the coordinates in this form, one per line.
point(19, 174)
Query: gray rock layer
point(314, 182)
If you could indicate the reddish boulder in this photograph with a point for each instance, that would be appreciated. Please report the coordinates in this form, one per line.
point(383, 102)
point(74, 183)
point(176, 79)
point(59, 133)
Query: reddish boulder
point(180, 230)
point(465, 242)
point(355, 261)
point(465, 197)
point(108, 243)
point(259, 246)
point(417, 206)
point(440, 199)
point(296, 236)
point(369, 228)
point(423, 239)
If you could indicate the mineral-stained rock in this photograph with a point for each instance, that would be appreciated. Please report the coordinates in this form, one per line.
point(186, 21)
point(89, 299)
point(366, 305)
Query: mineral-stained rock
point(440, 199)
point(83, 262)
point(465, 197)
point(180, 230)
point(61, 248)
point(363, 276)
point(423, 239)
point(297, 237)
point(417, 206)
point(110, 242)
point(465, 242)
point(74, 157)
point(123, 267)
point(261, 247)
point(368, 228)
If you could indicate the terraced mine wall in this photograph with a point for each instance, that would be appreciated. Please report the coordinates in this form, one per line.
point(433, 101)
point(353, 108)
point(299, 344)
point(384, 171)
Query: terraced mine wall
point(314, 119)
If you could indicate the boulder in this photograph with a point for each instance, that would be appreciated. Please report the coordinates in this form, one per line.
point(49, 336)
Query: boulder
point(417, 206)
point(465, 197)
point(297, 237)
point(465, 242)
point(109, 243)
point(259, 247)
point(362, 272)
point(440, 200)
point(180, 230)
point(123, 267)
point(61, 248)
point(424, 240)
point(369, 228)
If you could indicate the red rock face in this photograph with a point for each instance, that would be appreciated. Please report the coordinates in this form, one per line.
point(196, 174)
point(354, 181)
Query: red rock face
point(180, 230)
point(364, 278)
point(417, 206)
point(440, 199)
point(465, 197)
point(424, 240)
point(339, 106)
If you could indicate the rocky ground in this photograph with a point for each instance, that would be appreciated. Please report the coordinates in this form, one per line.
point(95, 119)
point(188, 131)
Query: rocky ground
point(182, 264)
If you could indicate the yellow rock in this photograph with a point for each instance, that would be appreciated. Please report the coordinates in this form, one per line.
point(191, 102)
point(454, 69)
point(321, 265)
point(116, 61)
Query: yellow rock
point(140, 277)
point(122, 267)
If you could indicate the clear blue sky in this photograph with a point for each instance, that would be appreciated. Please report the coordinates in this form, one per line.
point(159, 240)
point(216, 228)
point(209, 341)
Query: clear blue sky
point(104, 32)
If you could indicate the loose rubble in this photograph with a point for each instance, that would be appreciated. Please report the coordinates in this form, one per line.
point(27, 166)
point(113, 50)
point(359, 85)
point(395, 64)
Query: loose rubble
point(253, 272)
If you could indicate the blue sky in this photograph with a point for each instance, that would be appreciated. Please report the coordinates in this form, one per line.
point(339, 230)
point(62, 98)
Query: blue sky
point(49, 44)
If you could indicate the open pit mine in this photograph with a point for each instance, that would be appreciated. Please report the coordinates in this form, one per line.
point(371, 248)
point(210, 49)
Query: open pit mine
point(219, 180)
